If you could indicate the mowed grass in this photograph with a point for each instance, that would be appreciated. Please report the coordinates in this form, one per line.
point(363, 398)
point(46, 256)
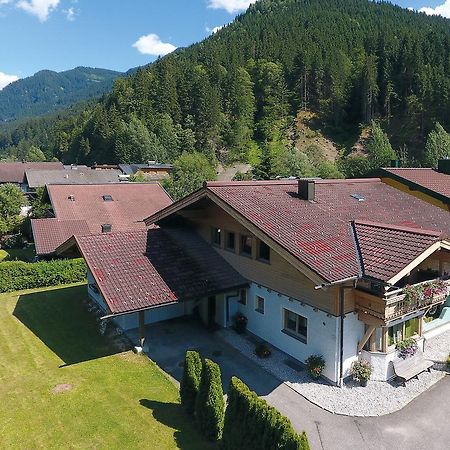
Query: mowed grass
point(117, 400)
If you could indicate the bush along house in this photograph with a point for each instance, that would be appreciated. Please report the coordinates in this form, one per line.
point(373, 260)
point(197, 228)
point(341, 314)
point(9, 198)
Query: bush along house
point(338, 268)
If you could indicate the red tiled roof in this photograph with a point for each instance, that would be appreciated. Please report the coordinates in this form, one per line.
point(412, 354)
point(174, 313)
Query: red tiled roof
point(386, 249)
point(131, 203)
point(138, 269)
point(427, 178)
point(319, 233)
point(14, 172)
point(49, 233)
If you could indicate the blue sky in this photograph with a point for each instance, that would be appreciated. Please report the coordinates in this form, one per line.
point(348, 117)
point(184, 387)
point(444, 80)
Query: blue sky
point(113, 34)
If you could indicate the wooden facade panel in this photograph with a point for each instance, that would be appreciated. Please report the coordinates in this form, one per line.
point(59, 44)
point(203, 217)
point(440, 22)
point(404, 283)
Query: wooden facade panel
point(279, 275)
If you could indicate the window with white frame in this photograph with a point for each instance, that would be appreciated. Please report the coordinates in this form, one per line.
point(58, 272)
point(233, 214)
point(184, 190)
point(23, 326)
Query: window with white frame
point(295, 325)
point(259, 304)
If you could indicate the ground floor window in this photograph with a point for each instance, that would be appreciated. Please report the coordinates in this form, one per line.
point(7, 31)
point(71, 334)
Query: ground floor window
point(403, 330)
point(295, 325)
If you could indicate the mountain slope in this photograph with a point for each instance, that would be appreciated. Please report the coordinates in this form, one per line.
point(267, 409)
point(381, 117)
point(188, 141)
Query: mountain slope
point(237, 93)
point(47, 91)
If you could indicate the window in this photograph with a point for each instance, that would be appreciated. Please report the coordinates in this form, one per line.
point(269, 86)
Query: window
point(217, 236)
point(401, 331)
point(231, 241)
point(259, 307)
point(246, 245)
point(295, 325)
point(107, 198)
point(264, 252)
point(243, 297)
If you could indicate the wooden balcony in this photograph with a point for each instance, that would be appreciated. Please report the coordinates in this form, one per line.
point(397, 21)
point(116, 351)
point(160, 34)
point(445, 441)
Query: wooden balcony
point(379, 311)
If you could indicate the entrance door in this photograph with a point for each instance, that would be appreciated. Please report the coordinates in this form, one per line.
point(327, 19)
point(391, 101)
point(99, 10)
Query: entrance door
point(211, 311)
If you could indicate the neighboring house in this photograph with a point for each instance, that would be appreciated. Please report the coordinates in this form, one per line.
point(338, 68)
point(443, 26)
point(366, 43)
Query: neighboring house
point(316, 266)
point(431, 185)
point(92, 209)
point(71, 175)
point(14, 172)
point(152, 170)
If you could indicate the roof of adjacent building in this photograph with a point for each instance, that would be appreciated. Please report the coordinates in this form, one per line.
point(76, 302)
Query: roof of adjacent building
point(431, 181)
point(318, 233)
point(78, 175)
point(144, 269)
point(122, 205)
point(14, 172)
point(130, 169)
point(385, 249)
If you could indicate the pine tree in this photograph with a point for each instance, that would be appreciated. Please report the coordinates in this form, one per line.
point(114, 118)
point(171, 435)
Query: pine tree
point(379, 149)
point(190, 383)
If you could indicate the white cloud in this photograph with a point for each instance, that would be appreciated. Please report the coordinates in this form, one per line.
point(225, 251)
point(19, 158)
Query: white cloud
point(6, 79)
point(5, 2)
point(442, 10)
point(231, 6)
point(70, 14)
point(39, 8)
point(151, 44)
point(214, 30)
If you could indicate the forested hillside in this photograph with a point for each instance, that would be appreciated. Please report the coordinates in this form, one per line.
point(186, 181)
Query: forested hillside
point(236, 95)
point(47, 91)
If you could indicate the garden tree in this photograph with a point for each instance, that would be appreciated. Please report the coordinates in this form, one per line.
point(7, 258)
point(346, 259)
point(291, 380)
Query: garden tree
point(328, 170)
point(264, 169)
point(190, 382)
point(354, 166)
point(251, 423)
point(297, 164)
point(379, 149)
point(437, 146)
point(11, 199)
point(138, 177)
point(35, 154)
point(190, 171)
point(39, 206)
point(210, 403)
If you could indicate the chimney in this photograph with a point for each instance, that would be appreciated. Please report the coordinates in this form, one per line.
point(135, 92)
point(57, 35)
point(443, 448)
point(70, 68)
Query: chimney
point(444, 166)
point(106, 228)
point(395, 163)
point(306, 189)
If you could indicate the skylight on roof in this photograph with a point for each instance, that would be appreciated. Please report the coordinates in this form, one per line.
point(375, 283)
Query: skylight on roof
point(107, 198)
point(358, 197)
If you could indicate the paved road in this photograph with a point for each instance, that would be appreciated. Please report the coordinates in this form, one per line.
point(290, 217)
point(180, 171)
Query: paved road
point(421, 425)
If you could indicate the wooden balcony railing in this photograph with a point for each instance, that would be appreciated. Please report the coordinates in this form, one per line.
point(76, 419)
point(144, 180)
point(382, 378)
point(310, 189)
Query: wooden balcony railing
point(399, 302)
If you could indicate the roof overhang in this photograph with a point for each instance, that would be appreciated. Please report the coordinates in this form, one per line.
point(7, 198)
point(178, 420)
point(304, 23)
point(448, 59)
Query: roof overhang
point(440, 245)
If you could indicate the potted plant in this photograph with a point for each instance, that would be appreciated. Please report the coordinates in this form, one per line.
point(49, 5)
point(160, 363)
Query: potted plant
point(263, 350)
point(406, 348)
point(240, 323)
point(413, 294)
point(361, 371)
point(315, 365)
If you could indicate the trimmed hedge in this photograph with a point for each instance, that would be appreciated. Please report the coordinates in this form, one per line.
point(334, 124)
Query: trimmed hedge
point(210, 404)
point(190, 382)
point(251, 423)
point(20, 275)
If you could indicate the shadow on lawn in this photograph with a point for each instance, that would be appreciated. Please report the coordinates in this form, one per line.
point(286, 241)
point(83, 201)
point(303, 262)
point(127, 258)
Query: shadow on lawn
point(172, 415)
point(61, 321)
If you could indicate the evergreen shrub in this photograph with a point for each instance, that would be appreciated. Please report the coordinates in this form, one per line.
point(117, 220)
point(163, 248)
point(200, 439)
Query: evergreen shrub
point(190, 382)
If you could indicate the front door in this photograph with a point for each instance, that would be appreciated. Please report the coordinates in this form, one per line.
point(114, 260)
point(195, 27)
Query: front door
point(211, 311)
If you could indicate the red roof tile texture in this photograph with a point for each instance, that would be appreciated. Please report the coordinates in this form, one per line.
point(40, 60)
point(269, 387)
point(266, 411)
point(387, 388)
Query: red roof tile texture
point(319, 233)
point(428, 178)
point(131, 203)
point(386, 250)
point(138, 269)
point(14, 172)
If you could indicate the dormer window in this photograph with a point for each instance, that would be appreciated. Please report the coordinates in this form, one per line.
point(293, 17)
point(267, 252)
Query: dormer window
point(107, 198)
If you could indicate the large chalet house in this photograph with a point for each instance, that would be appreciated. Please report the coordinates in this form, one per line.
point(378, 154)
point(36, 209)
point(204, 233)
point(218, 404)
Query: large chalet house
point(340, 268)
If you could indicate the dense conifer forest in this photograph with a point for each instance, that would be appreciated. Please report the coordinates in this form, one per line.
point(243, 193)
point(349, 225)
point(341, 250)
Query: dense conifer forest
point(234, 96)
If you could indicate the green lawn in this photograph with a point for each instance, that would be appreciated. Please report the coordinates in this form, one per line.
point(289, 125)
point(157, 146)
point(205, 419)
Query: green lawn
point(21, 254)
point(116, 400)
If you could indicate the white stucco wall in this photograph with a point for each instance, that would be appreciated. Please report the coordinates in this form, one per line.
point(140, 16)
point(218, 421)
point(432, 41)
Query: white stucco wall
point(323, 329)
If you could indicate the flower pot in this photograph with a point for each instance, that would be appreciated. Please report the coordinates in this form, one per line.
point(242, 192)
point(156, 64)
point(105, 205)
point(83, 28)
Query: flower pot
point(363, 382)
